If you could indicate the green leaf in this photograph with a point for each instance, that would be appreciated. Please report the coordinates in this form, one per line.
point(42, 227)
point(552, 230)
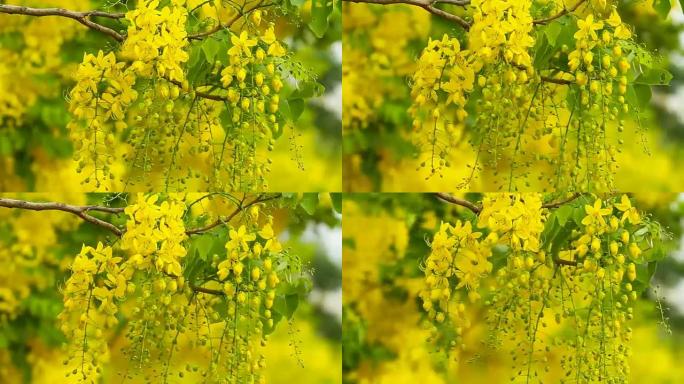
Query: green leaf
point(654, 76)
point(563, 214)
point(309, 202)
point(552, 31)
point(308, 89)
point(204, 244)
point(662, 7)
point(543, 50)
point(336, 201)
point(296, 108)
point(291, 304)
point(320, 13)
point(210, 47)
point(297, 3)
point(291, 108)
point(639, 94)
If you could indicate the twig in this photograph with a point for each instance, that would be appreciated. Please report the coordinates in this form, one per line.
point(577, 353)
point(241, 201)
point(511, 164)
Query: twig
point(219, 26)
point(428, 5)
point(81, 17)
point(80, 211)
point(206, 290)
point(560, 14)
point(562, 202)
point(565, 262)
point(223, 220)
point(454, 200)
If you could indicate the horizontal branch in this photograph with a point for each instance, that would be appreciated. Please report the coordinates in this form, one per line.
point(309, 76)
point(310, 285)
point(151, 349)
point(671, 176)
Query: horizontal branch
point(562, 202)
point(555, 80)
point(428, 5)
point(224, 220)
point(209, 291)
point(565, 262)
point(80, 211)
point(476, 209)
point(558, 15)
point(81, 17)
point(219, 26)
point(462, 202)
point(201, 94)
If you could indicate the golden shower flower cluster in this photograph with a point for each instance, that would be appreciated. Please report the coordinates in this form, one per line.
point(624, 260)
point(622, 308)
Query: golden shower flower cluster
point(517, 218)
point(99, 281)
point(575, 266)
point(457, 254)
point(157, 39)
point(98, 102)
point(155, 234)
point(443, 78)
point(221, 109)
point(501, 29)
point(223, 304)
point(558, 106)
point(253, 83)
point(598, 61)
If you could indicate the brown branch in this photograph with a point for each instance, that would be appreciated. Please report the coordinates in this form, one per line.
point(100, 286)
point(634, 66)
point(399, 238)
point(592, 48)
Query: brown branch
point(203, 95)
point(565, 262)
point(562, 202)
point(428, 5)
point(555, 80)
point(219, 26)
point(560, 14)
point(224, 220)
point(210, 291)
point(80, 211)
point(81, 17)
point(454, 200)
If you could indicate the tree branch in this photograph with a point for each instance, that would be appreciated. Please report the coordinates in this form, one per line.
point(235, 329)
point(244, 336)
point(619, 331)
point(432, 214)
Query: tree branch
point(219, 26)
point(80, 211)
point(210, 291)
point(565, 262)
point(454, 200)
point(560, 14)
point(81, 17)
point(228, 218)
point(476, 209)
point(562, 202)
point(428, 5)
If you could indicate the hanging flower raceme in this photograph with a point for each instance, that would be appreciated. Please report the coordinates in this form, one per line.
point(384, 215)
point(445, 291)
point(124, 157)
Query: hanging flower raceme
point(587, 284)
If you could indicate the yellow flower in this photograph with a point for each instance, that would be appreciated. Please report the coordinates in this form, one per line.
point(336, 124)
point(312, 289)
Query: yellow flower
point(630, 213)
point(595, 214)
point(587, 28)
point(241, 44)
point(276, 50)
point(269, 36)
point(266, 232)
point(240, 238)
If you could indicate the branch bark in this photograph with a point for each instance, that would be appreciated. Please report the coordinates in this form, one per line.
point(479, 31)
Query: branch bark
point(560, 14)
point(562, 202)
point(81, 17)
point(476, 209)
point(219, 221)
point(462, 202)
point(80, 211)
point(428, 5)
point(219, 26)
